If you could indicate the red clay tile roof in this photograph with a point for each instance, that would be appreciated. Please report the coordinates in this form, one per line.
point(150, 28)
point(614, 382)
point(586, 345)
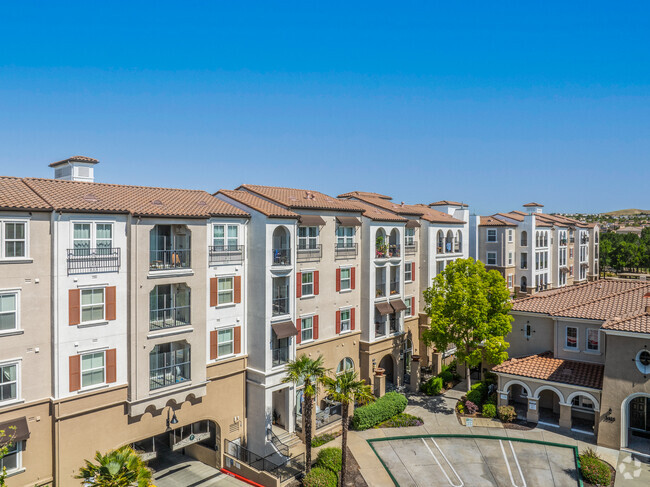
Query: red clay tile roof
point(75, 159)
point(16, 195)
point(512, 216)
point(137, 200)
point(256, 203)
point(419, 210)
point(364, 193)
point(377, 214)
point(447, 203)
point(543, 366)
point(493, 221)
point(299, 198)
point(533, 205)
point(634, 323)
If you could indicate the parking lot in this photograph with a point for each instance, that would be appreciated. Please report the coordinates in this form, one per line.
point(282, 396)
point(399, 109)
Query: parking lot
point(459, 461)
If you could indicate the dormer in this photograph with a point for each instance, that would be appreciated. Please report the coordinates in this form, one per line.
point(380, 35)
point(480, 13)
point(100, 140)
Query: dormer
point(76, 168)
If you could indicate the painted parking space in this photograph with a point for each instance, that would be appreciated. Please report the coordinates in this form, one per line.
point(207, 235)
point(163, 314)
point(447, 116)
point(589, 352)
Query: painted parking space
point(476, 461)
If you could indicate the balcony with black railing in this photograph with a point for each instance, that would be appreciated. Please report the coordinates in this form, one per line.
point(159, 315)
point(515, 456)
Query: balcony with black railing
point(345, 250)
point(280, 306)
point(169, 259)
point(103, 259)
point(160, 319)
point(281, 256)
point(280, 356)
point(394, 287)
point(226, 254)
point(309, 253)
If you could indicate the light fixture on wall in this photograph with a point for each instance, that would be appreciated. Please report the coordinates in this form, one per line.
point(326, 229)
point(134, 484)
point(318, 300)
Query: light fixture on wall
point(173, 420)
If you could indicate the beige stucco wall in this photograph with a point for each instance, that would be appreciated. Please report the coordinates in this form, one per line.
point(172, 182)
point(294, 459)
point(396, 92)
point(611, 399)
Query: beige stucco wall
point(541, 340)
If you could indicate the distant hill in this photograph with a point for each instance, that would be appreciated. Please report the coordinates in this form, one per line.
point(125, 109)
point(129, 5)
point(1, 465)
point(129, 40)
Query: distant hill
point(629, 212)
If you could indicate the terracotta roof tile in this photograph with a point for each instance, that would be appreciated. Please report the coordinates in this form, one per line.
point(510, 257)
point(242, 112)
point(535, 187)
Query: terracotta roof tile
point(419, 211)
point(634, 323)
point(137, 200)
point(75, 159)
point(258, 204)
point(493, 221)
point(447, 203)
point(544, 366)
point(299, 198)
point(16, 195)
point(533, 205)
point(377, 214)
point(364, 193)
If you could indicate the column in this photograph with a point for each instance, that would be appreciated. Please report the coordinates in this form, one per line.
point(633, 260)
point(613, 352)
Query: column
point(565, 416)
point(436, 362)
point(379, 382)
point(414, 386)
point(532, 414)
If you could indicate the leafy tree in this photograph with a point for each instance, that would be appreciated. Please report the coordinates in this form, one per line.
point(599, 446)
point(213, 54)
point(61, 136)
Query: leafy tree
point(310, 374)
point(469, 308)
point(6, 440)
point(347, 389)
point(118, 468)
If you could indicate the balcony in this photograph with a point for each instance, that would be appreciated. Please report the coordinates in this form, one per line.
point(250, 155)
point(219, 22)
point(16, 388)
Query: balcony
point(380, 328)
point(345, 251)
point(169, 364)
point(308, 254)
point(280, 306)
point(169, 259)
point(563, 242)
point(160, 319)
point(410, 248)
point(281, 256)
point(280, 356)
point(380, 291)
point(394, 287)
point(393, 323)
point(226, 254)
point(83, 261)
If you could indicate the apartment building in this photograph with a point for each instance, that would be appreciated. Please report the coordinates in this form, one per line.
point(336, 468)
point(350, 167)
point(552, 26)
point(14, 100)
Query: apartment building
point(580, 361)
point(304, 299)
point(535, 251)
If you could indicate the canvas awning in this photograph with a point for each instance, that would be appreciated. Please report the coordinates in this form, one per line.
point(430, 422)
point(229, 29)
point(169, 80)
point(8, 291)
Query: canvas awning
point(284, 329)
point(384, 308)
point(412, 224)
point(348, 221)
point(20, 433)
point(311, 220)
point(398, 305)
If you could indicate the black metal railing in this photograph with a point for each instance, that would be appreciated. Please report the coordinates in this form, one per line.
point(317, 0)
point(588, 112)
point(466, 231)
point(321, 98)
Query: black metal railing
point(281, 256)
point(279, 356)
point(288, 469)
point(160, 319)
point(169, 259)
point(226, 254)
point(81, 261)
point(277, 442)
point(380, 328)
point(411, 248)
point(345, 250)
point(306, 254)
point(280, 306)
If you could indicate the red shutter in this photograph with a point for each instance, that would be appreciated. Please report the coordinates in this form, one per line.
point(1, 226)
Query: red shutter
point(315, 325)
point(111, 366)
point(111, 308)
point(352, 277)
point(238, 339)
point(237, 289)
point(214, 295)
point(299, 284)
point(74, 307)
point(75, 373)
point(316, 279)
point(413, 271)
point(338, 280)
point(338, 322)
point(299, 335)
point(213, 344)
point(352, 319)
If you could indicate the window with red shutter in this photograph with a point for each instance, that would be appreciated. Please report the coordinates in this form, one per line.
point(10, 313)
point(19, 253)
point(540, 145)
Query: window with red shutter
point(338, 280)
point(298, 284)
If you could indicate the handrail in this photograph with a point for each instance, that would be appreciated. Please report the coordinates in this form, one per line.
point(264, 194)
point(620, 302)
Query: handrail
point(282, 448)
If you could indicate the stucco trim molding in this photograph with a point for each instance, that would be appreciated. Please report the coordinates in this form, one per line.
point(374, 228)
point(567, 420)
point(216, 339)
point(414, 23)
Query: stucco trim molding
point(178, 396)
point(625, 417)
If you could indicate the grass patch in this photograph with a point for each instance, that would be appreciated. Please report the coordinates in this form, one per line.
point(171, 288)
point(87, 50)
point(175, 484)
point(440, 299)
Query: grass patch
point(322, 439)
point(401, 420)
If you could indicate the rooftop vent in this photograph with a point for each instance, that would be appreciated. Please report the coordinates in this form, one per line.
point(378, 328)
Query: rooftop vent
point(75, 168)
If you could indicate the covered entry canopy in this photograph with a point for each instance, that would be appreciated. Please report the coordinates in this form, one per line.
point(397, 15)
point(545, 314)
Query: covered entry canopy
point(284, 329)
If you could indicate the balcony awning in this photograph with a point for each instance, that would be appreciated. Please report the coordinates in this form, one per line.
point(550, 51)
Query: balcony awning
point(384, 308)
point(398, 305)
point(20, 433)
point(311, 220)
point(348, 221)
point(412, 224)
point(284, 329)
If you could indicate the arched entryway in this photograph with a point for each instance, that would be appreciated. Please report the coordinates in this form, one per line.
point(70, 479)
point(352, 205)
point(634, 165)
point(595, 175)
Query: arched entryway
point(387, 364)
point(518, 394)
point(584, 407)
point(548, 402)
point(635, 427)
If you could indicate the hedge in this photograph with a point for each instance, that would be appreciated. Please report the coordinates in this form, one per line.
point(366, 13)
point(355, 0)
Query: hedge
point(432, 387)
point(478, 393)
point(330, 458)
point(382, 409)
point(320, 477)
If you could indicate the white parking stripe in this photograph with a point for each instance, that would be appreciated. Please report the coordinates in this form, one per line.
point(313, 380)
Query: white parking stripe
point(448, 463)
point(514, 455)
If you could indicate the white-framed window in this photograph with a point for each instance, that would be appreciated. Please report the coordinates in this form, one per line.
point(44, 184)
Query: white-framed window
point(225, 237)
point(409, 237)
point(511, 235)
point(491, 235)
point(91, 235)
point(510, 281)
point(571, 339)
point(225, 342)
point(307, 238)
point(643, 361)
point(593, 339)
point(528, 330)
point(346, 278)
point(92, 305)
point(13, 460)
point(226, 290)
point(345, 237)
point(345, 365)
point(14, 238)
point(307, 283)
point(511, 258)
point(491, 258)
point(306, 329)
point(93, 369)
point(345, 320)
point(9, 382)
point(409, 305)
point(9, 316)
point(408, 271)
point(582, 402)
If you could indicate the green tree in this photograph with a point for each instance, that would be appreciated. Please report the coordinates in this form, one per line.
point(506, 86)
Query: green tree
point(347, 389)
point(469, 308)
point(6, 440)
point(310, 374)
point(118, 468)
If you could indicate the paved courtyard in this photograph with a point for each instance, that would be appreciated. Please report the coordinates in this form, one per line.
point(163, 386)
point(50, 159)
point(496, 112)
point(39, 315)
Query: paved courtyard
point(176, 470)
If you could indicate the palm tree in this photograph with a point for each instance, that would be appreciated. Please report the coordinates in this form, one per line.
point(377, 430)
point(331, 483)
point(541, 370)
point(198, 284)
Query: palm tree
point(309, 373)
point(118, 468)
point(347, 389)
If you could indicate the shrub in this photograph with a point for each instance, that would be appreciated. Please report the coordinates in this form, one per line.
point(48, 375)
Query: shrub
point(492, 399)
point(322, 439)
point(507, 414)
point(460, 407)
point(595, 471)
point(382, 409)
point(330, 458)
point(590, 453)
point(320, 477)
point(478, 393)
point(489, 410)
point(432, 387)
point(447, 376)
point(471, 407)
point(400, 420)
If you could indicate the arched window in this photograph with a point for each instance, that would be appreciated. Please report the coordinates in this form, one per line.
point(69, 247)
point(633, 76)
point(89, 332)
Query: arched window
point(345, 365)
point(281, 246)
point(459, 241)
point(523, 287)
point(441, 241)
point(381, 245)
point(524, 239)
point(449, 244)
point(393, 243)
point(537, 240)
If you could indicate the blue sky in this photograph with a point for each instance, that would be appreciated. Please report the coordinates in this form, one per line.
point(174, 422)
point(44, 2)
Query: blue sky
point(492, 103)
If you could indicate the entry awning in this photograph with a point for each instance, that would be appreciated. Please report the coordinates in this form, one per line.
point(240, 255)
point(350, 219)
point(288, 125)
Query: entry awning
point(412, 224)
point(20, 433)
point(311, 220)
point(398, 305)
point(384, 308)
point(348, 221)
point(284, 329)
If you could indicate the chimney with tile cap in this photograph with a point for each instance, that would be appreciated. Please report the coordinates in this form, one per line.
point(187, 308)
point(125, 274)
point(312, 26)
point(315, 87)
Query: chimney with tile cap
point(75, 168)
